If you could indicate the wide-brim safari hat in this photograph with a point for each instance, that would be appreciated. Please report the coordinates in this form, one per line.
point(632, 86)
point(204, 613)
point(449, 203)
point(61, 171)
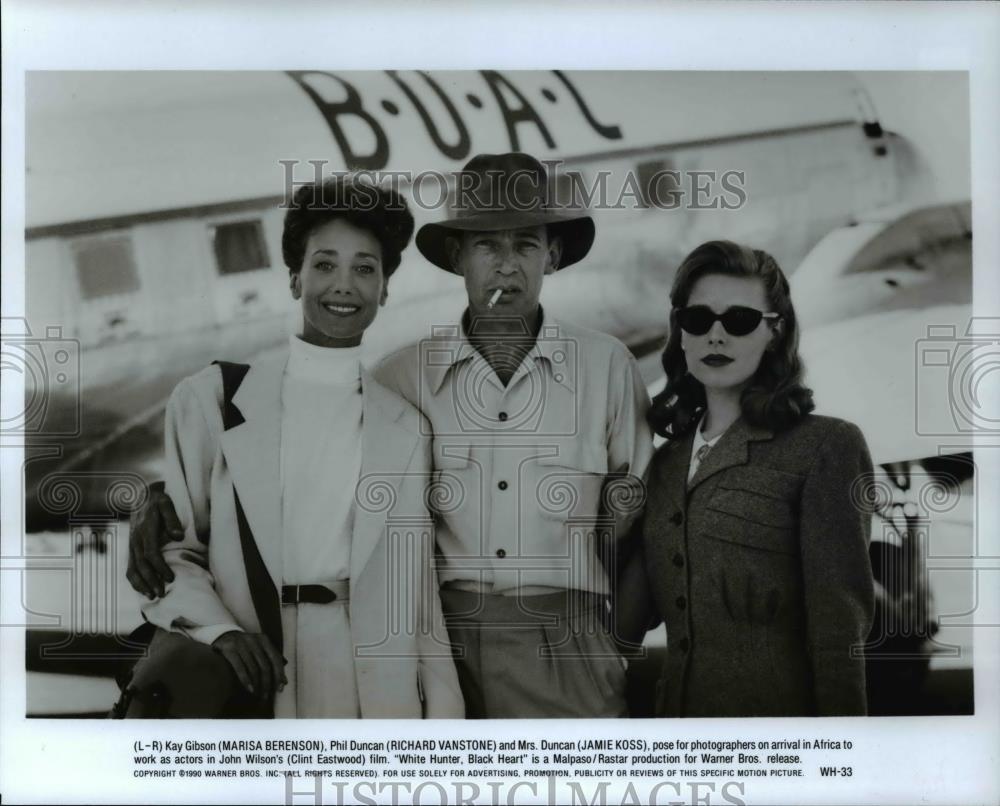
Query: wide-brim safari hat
point(502, 192)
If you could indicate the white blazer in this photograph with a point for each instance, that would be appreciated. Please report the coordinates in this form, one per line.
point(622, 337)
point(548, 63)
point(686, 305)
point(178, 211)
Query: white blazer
point(403, 661)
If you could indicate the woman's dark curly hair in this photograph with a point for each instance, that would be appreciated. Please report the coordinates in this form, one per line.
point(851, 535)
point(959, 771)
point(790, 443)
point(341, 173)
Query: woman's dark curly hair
point(381, 211)
point(775, 397)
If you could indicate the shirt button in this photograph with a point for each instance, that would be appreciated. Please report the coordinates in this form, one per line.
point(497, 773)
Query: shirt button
point(681, 602)
point(502, 416)
point(677, 519)
point(502, 485)
point(683, 644)
point(679, 560)
point(501, 553)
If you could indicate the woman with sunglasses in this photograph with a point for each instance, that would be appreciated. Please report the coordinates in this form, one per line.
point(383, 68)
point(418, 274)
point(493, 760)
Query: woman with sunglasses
point(754, 547)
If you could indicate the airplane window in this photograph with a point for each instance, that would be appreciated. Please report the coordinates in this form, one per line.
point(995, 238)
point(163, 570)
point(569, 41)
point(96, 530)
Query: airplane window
point(105, 266)
point(240, 247)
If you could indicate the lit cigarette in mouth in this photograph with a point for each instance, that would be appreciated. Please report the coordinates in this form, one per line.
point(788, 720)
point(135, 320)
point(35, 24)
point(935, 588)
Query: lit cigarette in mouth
point(494, 298)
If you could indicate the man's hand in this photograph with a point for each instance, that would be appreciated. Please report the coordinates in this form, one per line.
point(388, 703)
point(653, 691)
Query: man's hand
point(152, 525)
point(258, 665)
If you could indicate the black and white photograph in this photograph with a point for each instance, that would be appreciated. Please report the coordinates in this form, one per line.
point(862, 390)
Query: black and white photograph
point(512, 399)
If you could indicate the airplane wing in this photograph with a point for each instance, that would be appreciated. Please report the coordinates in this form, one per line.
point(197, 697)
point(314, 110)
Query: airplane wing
point(885, 306)
point(893, 373)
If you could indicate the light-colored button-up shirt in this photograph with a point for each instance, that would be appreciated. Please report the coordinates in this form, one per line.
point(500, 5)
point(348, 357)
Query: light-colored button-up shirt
point(521, 486)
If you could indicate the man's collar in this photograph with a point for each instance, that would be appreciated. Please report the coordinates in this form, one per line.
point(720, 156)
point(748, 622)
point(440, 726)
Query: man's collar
point(449, 346)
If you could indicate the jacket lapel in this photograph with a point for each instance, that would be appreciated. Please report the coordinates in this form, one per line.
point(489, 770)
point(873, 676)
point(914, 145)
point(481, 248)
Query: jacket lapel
point(732, 449)
point(674, 472)
point(253, 456)
point(386, 451)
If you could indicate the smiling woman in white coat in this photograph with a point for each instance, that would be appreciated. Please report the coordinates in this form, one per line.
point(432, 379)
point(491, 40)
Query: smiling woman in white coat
point(306, 561)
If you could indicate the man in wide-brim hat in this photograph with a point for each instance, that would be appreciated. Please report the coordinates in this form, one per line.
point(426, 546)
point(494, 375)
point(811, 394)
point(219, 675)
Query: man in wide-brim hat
point(532, 419)
point(497, 192)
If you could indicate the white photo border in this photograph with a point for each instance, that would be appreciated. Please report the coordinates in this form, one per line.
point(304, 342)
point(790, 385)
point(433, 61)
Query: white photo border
point(933, 759)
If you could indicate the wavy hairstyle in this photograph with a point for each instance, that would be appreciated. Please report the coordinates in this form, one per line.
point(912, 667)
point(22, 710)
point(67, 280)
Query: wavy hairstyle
point(381, 211)
point(775, 397)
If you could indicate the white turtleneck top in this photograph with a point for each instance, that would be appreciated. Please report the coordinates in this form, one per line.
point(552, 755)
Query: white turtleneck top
point(320, 460)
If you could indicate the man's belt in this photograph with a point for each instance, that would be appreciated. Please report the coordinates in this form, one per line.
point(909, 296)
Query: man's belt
point(336, 591)
point(473, 586)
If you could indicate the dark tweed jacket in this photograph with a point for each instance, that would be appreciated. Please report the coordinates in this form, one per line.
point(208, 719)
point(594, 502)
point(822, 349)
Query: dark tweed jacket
point(760, 570)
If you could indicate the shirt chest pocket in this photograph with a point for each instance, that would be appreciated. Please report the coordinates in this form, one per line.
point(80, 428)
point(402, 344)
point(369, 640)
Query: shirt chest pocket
point(451, 455)
point(758, 510)
point(567, 482)
point(455, 480)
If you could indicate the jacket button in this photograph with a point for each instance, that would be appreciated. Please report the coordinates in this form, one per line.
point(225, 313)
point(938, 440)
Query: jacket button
point(502, 485)
point(502, 416)
point(681, 602)
point(501, 553)
point(679, 560)
point(677, 519)
point(683, 644)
